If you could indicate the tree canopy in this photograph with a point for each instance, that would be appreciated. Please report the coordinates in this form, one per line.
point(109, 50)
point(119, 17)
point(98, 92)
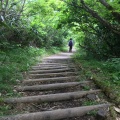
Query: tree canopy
point(95, 24)
point(98, 22)
point(31, 22)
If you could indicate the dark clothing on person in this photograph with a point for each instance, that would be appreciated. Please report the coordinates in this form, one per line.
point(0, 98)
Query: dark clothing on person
point(70, 48)
point(70, 44)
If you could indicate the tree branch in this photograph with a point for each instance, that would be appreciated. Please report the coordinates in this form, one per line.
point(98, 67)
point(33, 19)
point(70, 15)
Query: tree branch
point(109, 7)
point(6, 5)
point(21, 9)
point(100, 19)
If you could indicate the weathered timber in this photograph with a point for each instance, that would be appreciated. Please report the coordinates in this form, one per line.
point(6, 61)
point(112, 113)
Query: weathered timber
point(51, 71)
point(51, 79)
point(50, 97)
point(49, 86)
point(49, 68)
point(56, 114)
point(51, 64)
point(52, 74)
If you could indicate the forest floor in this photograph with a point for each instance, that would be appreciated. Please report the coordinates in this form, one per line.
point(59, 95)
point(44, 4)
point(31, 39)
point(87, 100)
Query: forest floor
point(56, 90)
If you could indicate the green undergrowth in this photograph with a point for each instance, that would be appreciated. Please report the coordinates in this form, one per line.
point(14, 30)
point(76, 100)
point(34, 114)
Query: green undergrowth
point(13, 65)
point(106, 74)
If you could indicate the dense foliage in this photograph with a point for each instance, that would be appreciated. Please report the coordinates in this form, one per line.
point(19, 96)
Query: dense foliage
point(45, 23)
point(25, 24)
point(97, 24)
point(27, 30)
point(28, 22)
point(106, 74)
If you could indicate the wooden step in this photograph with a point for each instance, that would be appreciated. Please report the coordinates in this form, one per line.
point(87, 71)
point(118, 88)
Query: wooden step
point(51, 79)
point(52, 74)
point(49, 68)
point(51, 71)
point(49, 86)
point(51, 64)
point(50, 97)
point(56, 114)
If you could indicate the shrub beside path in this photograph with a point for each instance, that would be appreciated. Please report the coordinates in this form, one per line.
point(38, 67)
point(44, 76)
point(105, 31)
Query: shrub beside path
point(55, 91)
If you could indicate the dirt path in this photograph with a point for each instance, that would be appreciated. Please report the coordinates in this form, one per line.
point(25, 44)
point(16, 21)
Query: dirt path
point(54, 91)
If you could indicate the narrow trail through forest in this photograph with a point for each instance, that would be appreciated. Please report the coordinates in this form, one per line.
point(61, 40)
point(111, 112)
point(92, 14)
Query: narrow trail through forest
point(54, 91)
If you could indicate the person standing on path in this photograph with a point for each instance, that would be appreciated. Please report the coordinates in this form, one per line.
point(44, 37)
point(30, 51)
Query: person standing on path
point(70, 44)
